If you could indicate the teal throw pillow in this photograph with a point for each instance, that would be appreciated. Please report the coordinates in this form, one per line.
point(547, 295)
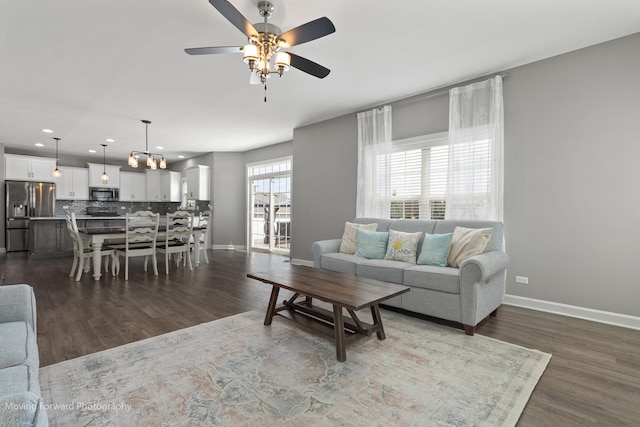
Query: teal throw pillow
point(435, 249)
point(371, 244)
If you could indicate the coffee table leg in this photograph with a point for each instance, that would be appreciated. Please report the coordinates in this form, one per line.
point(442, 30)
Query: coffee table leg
point(271, 310)
point(338, 325)
point(377, 321)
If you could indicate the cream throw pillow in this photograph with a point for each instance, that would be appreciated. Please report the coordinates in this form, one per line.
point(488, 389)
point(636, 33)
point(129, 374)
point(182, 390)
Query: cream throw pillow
point(403, 246)
point(467, 242)
point(349, 243)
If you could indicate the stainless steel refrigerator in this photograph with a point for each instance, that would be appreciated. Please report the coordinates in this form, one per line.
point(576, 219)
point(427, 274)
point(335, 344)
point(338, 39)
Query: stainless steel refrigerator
point(25, 200)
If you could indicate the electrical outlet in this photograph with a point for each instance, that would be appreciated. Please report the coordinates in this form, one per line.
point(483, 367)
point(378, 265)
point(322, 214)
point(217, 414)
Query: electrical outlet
point(523, 280)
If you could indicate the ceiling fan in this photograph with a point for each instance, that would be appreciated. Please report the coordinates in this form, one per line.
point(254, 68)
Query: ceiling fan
point(264, 53)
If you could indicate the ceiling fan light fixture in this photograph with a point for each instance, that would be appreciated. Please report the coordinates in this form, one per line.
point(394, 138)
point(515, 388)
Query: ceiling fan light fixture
point(250, 55)
point(283, 62)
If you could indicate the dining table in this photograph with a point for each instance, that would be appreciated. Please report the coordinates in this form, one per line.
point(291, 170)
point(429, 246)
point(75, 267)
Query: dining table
point(97, 236)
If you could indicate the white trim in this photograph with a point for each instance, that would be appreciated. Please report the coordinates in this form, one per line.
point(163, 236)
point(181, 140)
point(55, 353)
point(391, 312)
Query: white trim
point(226, 247)
point(296, 261)
point(421, 141)
point(606, 317)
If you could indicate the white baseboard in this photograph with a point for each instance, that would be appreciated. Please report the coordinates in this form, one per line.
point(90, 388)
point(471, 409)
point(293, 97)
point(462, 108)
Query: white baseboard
point(226, 248)
point(296, 261)
point(599, 316)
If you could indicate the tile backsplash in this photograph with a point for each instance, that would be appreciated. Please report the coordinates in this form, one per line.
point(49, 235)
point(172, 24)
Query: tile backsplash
point(80, 206)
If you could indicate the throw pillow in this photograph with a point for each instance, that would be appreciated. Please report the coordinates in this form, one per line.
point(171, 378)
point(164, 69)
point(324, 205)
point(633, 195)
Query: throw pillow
point(467, 242)
point(371, 244)
point(348, 244)
point(435, 249)
point(402, 246)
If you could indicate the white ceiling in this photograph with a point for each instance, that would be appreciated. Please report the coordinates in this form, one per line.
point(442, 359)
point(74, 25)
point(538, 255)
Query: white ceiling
point(92, 69)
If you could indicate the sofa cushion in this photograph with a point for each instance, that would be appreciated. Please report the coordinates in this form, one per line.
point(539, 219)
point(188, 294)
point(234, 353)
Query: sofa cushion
point(17, 345)
point(382, 269)
point(19, 378)
point(444, 279)
point(342, 263)
point(22, 409)
point(372, 244)
point(495, 243)
point(348, 244)
point(467, 242)
point(403, 246)
point(435, 249)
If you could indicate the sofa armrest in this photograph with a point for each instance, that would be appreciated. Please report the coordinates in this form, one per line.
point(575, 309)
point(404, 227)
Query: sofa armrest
point(481, 267)
point(324, 247)
point(18, 303)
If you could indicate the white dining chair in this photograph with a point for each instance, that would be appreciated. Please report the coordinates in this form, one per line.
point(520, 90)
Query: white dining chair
point(82, 251)
point(204, 221)
point(176, 242)
point(140, 240)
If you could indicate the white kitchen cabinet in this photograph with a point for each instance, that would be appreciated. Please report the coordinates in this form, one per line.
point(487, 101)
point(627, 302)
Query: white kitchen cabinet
point(154, 194)
point(28, 168)
point(170, 186)
point(95, 175)
point(163, 186)
point(198, 178)
point(132, 187)
point(73, 184)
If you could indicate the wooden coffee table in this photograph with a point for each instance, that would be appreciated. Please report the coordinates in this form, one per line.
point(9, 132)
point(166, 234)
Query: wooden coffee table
point(342, 291)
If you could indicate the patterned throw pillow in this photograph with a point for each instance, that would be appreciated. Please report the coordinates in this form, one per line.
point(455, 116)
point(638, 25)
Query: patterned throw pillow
point(348, 245)
point(402, 246)
point(467, 242)
point(371, 244)
point(435, 249)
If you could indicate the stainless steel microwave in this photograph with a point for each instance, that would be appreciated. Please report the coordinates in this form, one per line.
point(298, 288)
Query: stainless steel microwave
point(104, 194)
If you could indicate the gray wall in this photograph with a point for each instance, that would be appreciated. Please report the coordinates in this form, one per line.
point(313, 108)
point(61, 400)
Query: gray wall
point(572, 144)
point(228, 195)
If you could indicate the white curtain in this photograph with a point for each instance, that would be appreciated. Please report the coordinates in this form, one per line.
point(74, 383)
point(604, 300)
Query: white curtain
point(475, 173)
point(373, 198)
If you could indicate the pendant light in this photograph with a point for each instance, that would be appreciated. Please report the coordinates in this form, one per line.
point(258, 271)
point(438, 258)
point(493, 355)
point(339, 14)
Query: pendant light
point(105, 176)
point(56, 172)
point(152, 159)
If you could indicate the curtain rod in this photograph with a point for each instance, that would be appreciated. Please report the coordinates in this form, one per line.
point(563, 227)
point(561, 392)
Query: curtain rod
point(430, 94)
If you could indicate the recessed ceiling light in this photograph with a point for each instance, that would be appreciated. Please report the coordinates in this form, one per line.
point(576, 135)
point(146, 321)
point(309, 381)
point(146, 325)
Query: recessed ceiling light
point(47, 131)
point(39, 144)
point(110, 140)
point(181, 157)
point(160, 147)
point(92, 151)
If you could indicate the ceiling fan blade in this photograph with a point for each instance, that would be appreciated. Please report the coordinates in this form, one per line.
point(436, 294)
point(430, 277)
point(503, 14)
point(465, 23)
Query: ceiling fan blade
point(235, 17)
point(309, 67)
point(306, 32)
point(212, 50)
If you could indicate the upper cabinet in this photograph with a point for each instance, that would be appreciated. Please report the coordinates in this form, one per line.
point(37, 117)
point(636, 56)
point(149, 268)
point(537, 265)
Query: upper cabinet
point(73, 184)
point(163, 186)
point(132, 187)
point(170, 186)
point(95, 175)
point(28, 168)
point(198, 178)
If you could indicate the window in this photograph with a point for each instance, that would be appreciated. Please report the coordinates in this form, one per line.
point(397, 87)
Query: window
point(419, 177)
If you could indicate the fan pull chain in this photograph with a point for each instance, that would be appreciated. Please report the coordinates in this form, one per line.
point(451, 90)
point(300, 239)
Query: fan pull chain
point(265, 92)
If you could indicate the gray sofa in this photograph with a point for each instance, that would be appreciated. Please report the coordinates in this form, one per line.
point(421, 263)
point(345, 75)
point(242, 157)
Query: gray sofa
point(20, 400)
point(466, 295)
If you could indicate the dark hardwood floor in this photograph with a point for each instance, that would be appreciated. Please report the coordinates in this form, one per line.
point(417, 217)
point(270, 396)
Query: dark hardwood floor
point(593, 378)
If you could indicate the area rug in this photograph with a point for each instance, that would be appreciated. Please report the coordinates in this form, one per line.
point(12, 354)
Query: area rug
point(237, 372)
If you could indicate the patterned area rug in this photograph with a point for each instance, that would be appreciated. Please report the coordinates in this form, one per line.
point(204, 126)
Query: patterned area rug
point(237, 372)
